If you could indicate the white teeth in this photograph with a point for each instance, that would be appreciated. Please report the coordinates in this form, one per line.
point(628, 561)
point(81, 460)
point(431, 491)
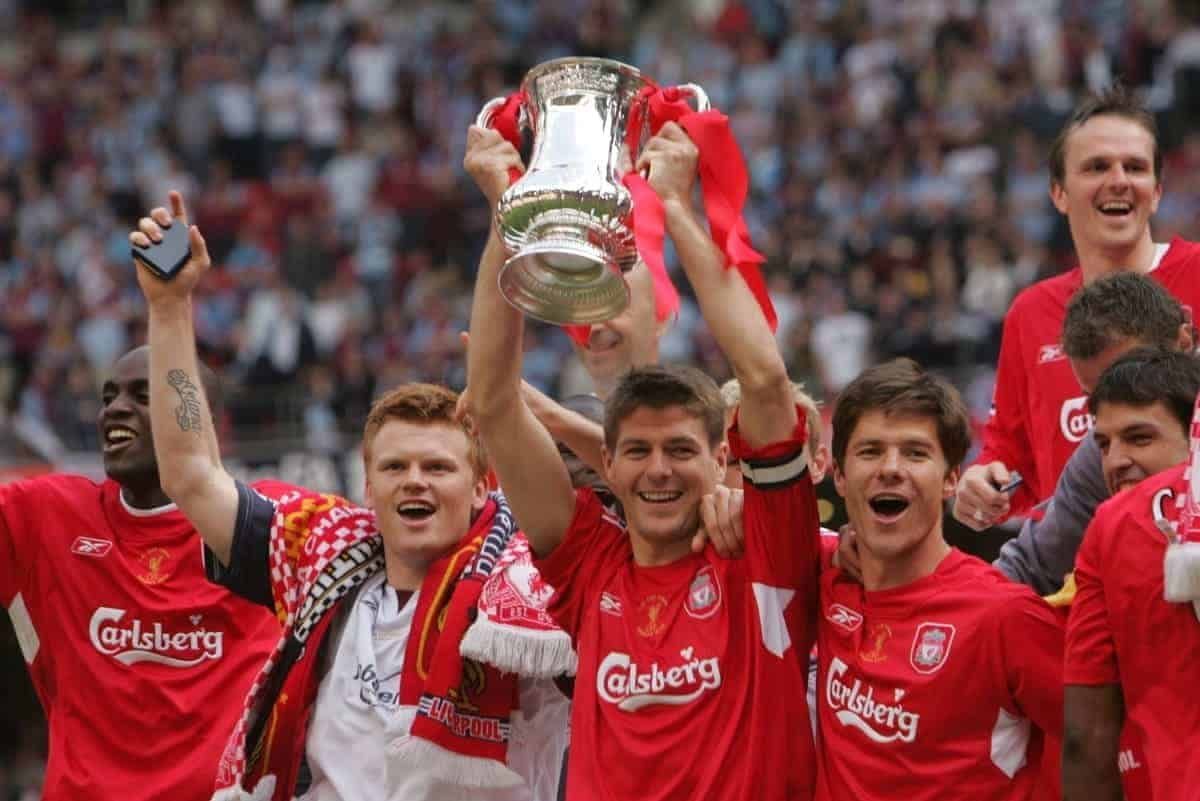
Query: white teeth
point(114, 435)
point(1115, 207)
point(415, 507)
point(659, 496)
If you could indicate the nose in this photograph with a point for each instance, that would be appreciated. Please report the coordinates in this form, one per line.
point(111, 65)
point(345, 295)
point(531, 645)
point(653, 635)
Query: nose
point(120, 404)
point(414, 476)
point(658, 465)
point(890, 464)
point(1117, 177)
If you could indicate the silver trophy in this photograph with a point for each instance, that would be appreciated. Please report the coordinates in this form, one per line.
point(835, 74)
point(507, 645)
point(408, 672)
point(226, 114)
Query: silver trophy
point(566, 222)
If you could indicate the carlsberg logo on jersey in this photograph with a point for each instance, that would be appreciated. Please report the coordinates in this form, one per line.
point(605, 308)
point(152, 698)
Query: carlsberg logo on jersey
point(619, 681)
point(132, 641)
point(857, 707)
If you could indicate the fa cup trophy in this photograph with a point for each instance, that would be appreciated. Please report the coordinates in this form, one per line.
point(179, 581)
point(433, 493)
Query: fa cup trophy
point(567, 221)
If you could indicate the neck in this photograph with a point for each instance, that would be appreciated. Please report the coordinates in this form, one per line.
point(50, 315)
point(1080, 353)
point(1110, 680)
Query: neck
point(889, 572)
point(650, 553)
point(144, 497)
point(1097, 261)
point(405, 573)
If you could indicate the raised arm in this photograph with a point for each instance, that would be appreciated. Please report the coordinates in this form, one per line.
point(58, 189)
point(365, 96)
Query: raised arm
point(524, 456)
point(185, 442)
point(767, 412)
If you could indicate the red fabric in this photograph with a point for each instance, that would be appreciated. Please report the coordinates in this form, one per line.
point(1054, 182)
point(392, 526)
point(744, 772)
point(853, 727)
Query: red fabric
point(464, 711)
point(138, 660)
point(700, 651)
point(914, 681)
point(1117, 615)
point(1039, 413)
point(506, 121)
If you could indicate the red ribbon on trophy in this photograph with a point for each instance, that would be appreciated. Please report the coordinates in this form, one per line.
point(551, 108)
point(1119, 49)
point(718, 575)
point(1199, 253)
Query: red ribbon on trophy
point(724, 183)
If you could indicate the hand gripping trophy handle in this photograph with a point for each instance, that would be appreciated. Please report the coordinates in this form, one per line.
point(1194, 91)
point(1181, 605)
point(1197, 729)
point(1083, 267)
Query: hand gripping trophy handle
point(565, 221)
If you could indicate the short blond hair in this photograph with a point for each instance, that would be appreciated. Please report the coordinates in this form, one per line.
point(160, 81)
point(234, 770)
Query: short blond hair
point(426, 405)
point(731, 393)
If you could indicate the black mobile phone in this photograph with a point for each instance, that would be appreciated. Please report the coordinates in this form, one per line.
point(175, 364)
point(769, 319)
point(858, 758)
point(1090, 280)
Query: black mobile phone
point(166, 258)
point(1014, 481)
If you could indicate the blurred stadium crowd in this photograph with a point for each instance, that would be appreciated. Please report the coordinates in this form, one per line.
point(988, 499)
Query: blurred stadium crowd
point(897, 158)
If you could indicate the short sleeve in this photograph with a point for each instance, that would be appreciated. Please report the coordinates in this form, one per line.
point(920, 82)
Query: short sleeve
point(596, 545)
point(16, 543)
point(1091, 658)
point(248, 572)
point(780, 518)
point(1030, 642)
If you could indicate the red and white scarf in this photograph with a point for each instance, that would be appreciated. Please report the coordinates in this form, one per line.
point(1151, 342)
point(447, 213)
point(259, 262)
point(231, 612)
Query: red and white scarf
point(322, 549)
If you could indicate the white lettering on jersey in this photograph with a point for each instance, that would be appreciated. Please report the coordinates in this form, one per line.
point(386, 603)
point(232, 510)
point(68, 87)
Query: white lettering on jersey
point(134, 641)
point(856, 707)
point(619, 681)
point(1074, 419)
point(1127, 760)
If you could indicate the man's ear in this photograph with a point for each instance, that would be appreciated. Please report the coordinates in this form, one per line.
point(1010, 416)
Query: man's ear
point(721, 455)
point(1185, 340)
point(1058, 196)
point(839, 479)
point(950, 484)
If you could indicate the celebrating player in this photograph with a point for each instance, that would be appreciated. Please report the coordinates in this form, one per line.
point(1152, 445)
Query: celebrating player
point(687, 662)
point(1106, 177)
point(938, 676)
point(1131, 654)
point(367, 668)
point(1104, 320)
point(140, 663)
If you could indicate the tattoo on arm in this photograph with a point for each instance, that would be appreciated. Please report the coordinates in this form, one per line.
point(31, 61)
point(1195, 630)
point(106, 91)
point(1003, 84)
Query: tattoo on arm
point(187, 413)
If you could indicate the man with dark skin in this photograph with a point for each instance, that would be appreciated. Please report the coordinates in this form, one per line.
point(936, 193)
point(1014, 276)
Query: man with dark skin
point(105, 580)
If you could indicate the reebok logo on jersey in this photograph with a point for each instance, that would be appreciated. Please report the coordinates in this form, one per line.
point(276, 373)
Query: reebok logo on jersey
point(843, 617)
point(91, 546)
point(1050, 353)
point(631, 687)
point(134, 641)
point(610, 604)
point(1074, 419)
point(855, 706)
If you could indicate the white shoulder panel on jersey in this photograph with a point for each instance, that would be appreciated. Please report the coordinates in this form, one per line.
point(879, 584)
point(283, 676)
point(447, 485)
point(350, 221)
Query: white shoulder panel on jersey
point(771, 602)
point(27, 637)
point(1010, 741)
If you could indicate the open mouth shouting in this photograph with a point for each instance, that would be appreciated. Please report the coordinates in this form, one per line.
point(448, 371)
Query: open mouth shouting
point(117, 437)
point(1116, 209)
point(888, 506)
point(602, 339)
point(415, 511)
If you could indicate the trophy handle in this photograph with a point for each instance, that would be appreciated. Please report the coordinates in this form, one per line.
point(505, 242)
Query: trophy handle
point(484, 120)
point(696, 92)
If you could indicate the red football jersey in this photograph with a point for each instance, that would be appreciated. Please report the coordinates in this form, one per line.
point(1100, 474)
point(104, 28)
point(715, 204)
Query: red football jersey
point(691, 675)
point(938, 689)
point(1039, 413)
point(1121, 631)
point(142, 666)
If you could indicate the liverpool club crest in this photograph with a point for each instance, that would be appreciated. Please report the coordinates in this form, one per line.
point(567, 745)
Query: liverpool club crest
point(931, 647)
point(704, 595)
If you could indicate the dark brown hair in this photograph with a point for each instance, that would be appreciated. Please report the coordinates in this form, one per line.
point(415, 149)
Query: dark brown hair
point(1116, 307)
point(661, 387)
point(1145, 376)
point(423, 404)
point(1114, 101)
point(902, 387)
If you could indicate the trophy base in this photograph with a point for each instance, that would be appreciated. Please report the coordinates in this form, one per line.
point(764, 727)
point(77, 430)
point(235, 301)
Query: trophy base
point(559, 276)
